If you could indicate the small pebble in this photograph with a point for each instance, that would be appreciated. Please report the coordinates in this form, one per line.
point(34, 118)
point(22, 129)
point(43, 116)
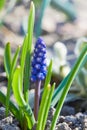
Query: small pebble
point(78, 128)
point(7, 120)
point(63, 126)
point(61, 119)
point(71, 119)
point(79, 115)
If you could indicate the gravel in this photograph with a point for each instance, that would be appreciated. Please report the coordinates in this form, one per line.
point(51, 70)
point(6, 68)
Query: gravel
point(7, 123)
point(77, 121)
point(70, 122)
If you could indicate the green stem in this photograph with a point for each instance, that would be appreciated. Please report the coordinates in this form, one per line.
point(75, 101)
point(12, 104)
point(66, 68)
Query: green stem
point(67, 86)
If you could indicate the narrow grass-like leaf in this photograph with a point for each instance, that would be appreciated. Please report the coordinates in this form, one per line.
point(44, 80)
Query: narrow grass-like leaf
point(23, 52)
point(47, 81)
point(58, 91)
point(16, 85)
point(28, 54)
point(67, 8)
point(43, 106)
point(13, 65)
point(42, 7)
point(14, 61)
point(23, 57)
point(7, 59)
point(48, 106)
point(48, 76)
point(73, 73)
point(13, 108)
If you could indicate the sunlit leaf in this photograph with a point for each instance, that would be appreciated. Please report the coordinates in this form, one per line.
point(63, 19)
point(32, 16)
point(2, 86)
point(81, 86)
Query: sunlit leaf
point(59, 89)
point(7, 59)
point(43, 104)
point(29, 50)
point(23, 52)
point(68, 83)
point(48, 106)
point(18, 94)
point(48, 76)
point(14, 60)
point(16, 85)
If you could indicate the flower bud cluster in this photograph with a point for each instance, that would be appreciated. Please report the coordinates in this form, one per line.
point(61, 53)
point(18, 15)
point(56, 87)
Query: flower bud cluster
point(39, 61)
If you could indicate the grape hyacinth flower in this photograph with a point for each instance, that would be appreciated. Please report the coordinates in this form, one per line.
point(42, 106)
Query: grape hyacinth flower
point(38, 71)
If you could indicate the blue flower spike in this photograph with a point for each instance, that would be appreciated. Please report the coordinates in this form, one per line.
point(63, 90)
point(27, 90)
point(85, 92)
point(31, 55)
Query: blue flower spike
point(39, 61)
point(38, 72)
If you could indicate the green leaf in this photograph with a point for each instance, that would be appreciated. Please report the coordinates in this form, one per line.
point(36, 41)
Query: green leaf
point(14, 61)
point(29, 116)
point(23, 57)
point(43, 104)
point(59, 89)
point(16, 85)
point(13, 108)
point(72, 75)
point(41, 6)
point(48, 76)
point(7, 59)
point(66, 7)
point(47, 106)
point(13, 65)
point(23, 53)
point(18, 94)
point(31, 26)
point(29, 50)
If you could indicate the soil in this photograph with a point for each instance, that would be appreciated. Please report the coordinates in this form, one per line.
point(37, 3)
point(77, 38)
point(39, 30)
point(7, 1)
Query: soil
point(74, 121)
point(71, 121)
point(7, 123)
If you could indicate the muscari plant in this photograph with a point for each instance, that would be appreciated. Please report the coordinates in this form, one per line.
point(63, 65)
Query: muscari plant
point(19, 82)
